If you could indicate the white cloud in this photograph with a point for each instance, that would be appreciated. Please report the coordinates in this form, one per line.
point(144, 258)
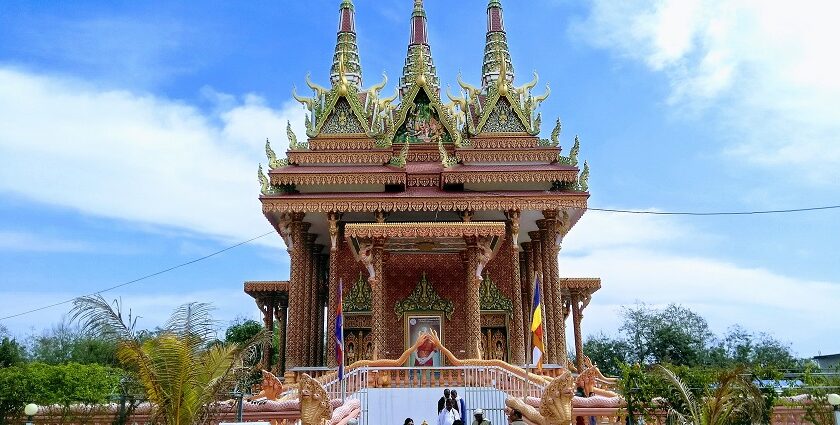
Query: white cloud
point(768, 67)
point(803, 312)
point(24, 241)
point(152, 310)
point(136, 156)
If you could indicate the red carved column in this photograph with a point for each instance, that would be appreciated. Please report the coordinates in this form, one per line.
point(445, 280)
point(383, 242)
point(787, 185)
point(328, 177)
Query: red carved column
point(539, 270)
point(297, 295)
point(280, 316)
point(577, 315)
point(316, 304)
point(472, 305)
point(267, 310)
point(332, 295)
point(517, 334)
point(377, 308)
point(528, 273)
point(550, 229)
point(525, 295)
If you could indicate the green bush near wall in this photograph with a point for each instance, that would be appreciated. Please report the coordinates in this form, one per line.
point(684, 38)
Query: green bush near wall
point(61, 385)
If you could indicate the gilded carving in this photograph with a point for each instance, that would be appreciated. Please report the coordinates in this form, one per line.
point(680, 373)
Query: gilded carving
point(503, 119)
point(359, 297)
point(378, 157)
point(491, 298)
point(424, 298)
point(499, 142)
point(477, 203)
point(279, 178)
point(423, 230)
point(315, 406)
point(510, 176)
point(544, 155)
point(423, 180)
point(329, 143)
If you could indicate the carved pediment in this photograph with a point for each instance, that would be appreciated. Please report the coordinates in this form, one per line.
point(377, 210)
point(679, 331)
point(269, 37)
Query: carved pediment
point(424, 298)
point(358, 300)
point(491, 298)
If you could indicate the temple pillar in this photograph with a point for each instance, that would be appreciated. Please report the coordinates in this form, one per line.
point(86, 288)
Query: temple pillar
point(332, 288)
point(280, 316)
point(267, 309)
point(579, 301)
point(525, 296)
point(539, 271)
point(323, 289)
point(314, 291)
point(377, 292)
point(527, 255)
point(551, 249)
point(517, 334)
point(297, 296)
point(472, 306)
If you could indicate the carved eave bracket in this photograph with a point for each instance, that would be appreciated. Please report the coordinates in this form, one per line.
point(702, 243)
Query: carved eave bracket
point(424, 298)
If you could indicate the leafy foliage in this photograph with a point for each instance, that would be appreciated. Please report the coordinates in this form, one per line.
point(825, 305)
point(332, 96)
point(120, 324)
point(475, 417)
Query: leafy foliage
point(67, 344)
point(676, 335)
point(731, 397)
point(242, 331)
point(60, 385)
point(181, 372)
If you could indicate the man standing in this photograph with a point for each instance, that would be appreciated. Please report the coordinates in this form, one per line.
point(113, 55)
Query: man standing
point(459, 404)
point(478, 414)
point(448, 415)
point(442, 401)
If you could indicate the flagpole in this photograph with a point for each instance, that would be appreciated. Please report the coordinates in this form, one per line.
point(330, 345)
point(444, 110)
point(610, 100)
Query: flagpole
point(529, 355)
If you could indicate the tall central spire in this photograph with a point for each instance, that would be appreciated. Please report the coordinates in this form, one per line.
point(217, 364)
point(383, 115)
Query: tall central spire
point(346, 49)
point(496, 46)
point(418, 51)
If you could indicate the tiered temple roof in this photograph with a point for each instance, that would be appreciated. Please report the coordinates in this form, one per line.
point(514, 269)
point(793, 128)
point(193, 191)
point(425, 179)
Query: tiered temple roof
point(412, 144)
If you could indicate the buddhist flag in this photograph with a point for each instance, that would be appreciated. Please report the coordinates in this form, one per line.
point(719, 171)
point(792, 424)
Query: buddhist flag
point(339, 331)
point(537, 326)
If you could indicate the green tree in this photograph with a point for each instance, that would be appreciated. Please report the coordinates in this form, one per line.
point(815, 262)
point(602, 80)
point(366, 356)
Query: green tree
point(606, 352)
point(11, 353)
point(673, 335)
point(242, 331)
point(179, 370)
point(64, 343)
point(732, 399)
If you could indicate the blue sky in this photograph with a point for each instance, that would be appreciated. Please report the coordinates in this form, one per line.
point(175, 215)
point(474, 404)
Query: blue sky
point(130, 133)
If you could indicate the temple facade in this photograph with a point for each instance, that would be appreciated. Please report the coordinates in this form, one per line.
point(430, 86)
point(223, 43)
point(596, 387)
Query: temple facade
point(433, 214)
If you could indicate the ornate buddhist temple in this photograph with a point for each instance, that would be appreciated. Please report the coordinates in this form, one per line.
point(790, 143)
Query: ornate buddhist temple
point(435, 210)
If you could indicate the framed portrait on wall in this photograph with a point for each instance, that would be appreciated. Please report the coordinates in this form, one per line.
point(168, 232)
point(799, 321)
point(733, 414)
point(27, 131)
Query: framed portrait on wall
point(427, 355)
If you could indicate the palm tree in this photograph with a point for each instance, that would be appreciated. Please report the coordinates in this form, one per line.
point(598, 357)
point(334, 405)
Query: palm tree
point(179, 367)
point(732, 399)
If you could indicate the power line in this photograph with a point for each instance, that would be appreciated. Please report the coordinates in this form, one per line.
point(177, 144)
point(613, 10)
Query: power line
point(611, 210)
point(695, 213)
point(193, 261)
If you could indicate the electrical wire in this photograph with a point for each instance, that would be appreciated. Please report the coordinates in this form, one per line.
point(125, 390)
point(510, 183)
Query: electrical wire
point(609, 210)
point(193, 261)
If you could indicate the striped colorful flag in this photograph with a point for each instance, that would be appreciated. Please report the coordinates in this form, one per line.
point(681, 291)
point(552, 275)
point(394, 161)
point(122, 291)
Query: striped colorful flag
point(537, 327)
point(339, 331)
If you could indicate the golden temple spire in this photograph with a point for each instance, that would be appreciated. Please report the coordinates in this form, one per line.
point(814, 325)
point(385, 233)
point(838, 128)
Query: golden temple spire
point(496, 47)
point(346, 47)
point(419, 51)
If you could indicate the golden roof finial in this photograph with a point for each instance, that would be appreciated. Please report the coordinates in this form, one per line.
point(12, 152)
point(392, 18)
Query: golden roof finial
point(342, 84)
point(503, 86)
point(421, 78)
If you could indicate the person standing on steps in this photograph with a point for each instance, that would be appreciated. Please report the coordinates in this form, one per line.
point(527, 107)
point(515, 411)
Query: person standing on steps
point(449, 414)
point(442, 401)
point(459, 404)
point(478, 414)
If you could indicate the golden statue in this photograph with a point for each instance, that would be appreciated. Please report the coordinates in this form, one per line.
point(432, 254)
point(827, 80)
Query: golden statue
point(315, 406)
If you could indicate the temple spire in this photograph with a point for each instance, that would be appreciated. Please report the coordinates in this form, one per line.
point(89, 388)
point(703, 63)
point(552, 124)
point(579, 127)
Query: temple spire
point(496, 46)
point(346, 49)
point(419, 58)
